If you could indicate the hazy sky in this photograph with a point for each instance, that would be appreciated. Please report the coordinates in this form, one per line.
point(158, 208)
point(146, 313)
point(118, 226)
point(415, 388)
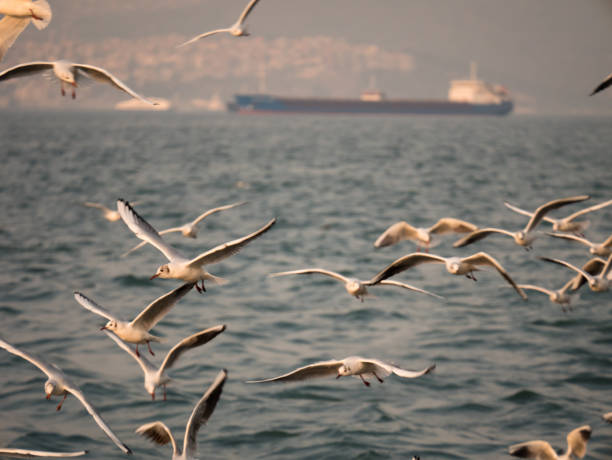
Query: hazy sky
point(548, 53)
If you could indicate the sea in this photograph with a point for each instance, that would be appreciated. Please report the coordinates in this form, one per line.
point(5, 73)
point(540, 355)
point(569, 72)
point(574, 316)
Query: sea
point(507, 370)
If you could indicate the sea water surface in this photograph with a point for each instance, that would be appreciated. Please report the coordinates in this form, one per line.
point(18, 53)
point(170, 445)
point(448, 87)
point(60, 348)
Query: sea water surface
point(507, 370)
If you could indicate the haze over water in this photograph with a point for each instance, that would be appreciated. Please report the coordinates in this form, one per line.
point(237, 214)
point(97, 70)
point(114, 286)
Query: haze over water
point(507, 370)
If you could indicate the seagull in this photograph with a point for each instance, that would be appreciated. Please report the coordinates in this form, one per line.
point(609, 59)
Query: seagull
point(26, 453)
point(559, 296)
point(58, 384)
point(603, 85)
point(159, 433)
point(190, 229)
point(353, 286)
point(109, 214)
point(353, 365)
point(597, 283)
point(526, 236)
point(607, 417)
point(153, 377)
point(17, 15)
point(179, 266)
point(542, 450)
point(69, 73)
point(137, 330)
point(454, 265)
point(422, 236)
point(604, 249)
point(238, 29)
point(566, 224)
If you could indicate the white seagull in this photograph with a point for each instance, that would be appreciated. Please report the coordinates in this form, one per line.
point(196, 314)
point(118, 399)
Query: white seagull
point(567, 224)
point(454, 265)
point(422, 236)
point(180, 267)
point(159, 433)
point(355, 287)
point(598, 283)
point(238, 29)
point(137, 330)
point(27, 453)
point(604, 249)
point(527, 235)
point(559, 296)
point(17, 16)
point(156, 377)
point(542, 450)
point(190, 229)
point(69, 73)
point(353, 365)
point(607, 417)
point(58, 384)
point(603, 85)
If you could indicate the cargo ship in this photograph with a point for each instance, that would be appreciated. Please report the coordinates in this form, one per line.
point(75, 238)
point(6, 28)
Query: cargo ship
point(465, 97)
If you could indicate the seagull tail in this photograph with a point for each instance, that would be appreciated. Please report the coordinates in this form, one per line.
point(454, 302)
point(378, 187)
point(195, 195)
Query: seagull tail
point(43, 11)
point(217, 279)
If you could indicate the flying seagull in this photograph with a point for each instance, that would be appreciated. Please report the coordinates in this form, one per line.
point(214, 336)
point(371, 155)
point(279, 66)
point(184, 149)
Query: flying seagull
point(454, 265)
point(190, 229)
point(69, 73)
point(159, 433)
point(17, 15)
point(137, 330)
point(27, 453)
point(238, 29)
point(422, 236)
point(542, 450)
point(598, 283)
point(58, 384)
point(567, 224)
point(527, 235)
point(603, 85)
point(604, 249)
point(179, 266)
point(156, 377)
point(353, 365)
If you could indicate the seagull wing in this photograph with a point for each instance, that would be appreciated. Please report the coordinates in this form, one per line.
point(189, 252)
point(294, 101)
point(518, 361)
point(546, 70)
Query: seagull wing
point(247, 11)
point(569, 236)
point(138, 246)
point(404, 263)
point(533, 449)
point(23, 70)
point(52, 372)
point(608, 242)
point(309, 271)
point(157, 309)
point(526, 213)
point(320, 369)
point(376, 366)
point(452, 225)
point(188, 343)
point(103, 76)
point(482, 258)
point(397, 232)
point(605, 271)
point(92, 306)
point(89, 204)
point(202, 412)
point(533, 287)
point(205, 34)
point(603, 85)
point(204, 215)
point(160, 434)
point(568, 265)
point(409, 287)
point(223, 251)
point(99, 420)
point(539, 213)
point(143, 230)
point(479, 235)
point(10, 29)
point(412, 374)
point(26, 453)
point(577, 441)
point(589, 209)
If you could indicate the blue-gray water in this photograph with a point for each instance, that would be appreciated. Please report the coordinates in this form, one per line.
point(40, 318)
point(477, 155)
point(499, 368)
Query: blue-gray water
point(507, 370)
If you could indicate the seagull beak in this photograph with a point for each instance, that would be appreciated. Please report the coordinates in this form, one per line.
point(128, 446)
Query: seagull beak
point(103, 328)
point(48, 396)
point(338, 376)
point(154, 276)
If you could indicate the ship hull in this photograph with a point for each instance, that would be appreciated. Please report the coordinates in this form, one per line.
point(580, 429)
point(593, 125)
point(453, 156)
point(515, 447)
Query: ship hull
point(259, 103)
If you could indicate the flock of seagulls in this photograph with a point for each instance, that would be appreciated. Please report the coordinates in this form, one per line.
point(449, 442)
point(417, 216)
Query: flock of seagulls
point(596, 272)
